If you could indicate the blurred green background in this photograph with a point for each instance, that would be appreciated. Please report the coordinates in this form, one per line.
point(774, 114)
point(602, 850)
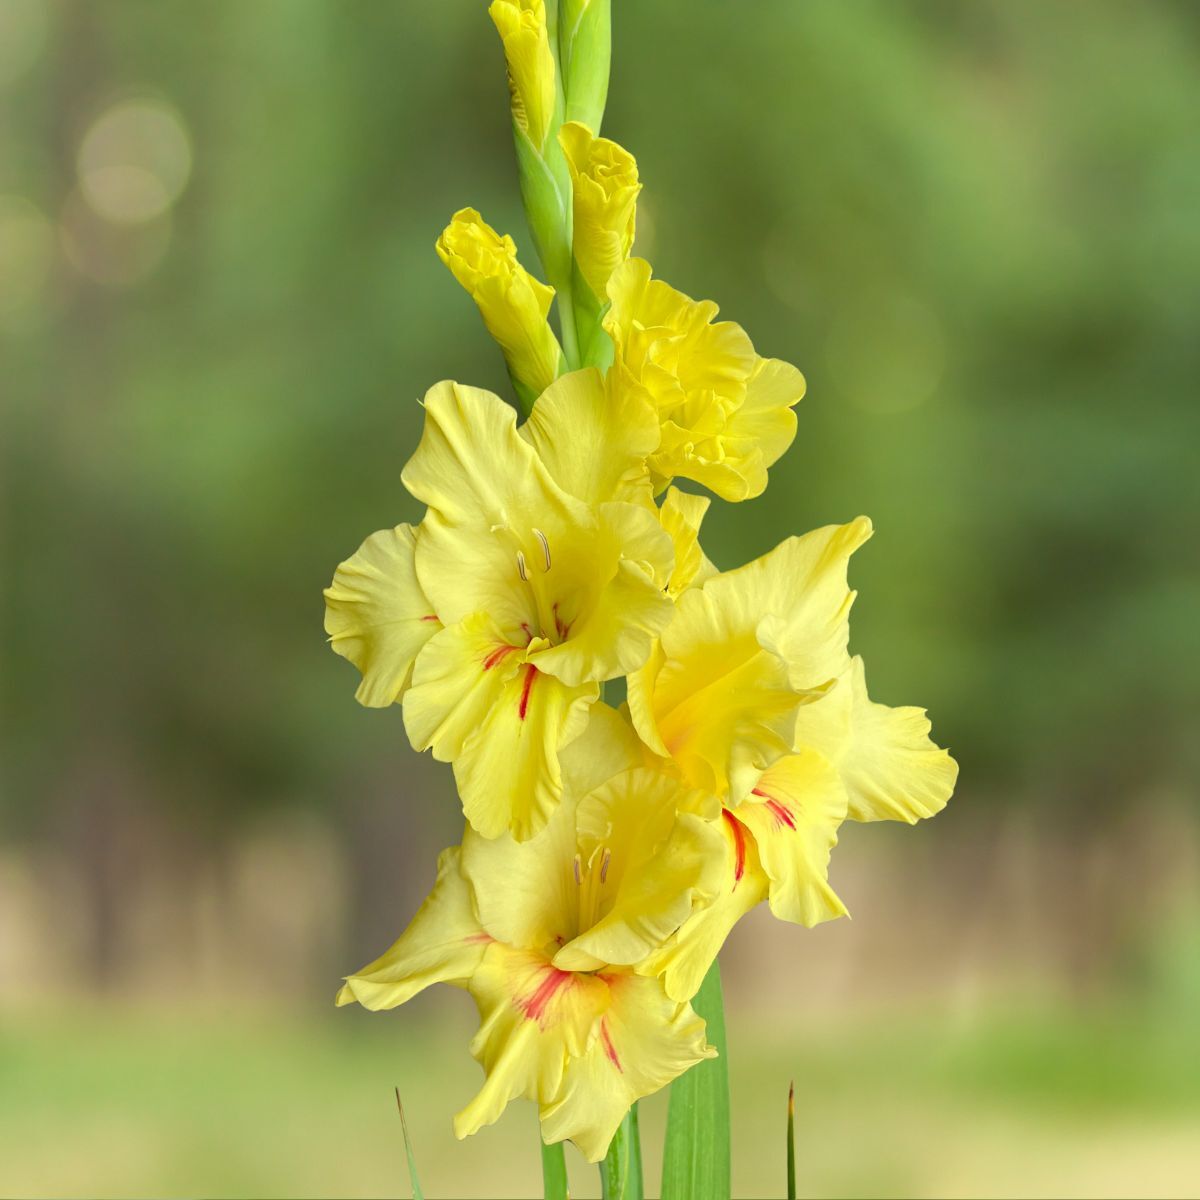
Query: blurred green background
point(972, 223)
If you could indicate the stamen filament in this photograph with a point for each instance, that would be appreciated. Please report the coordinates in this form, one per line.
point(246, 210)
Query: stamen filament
point(541, 537)
point(521, 570)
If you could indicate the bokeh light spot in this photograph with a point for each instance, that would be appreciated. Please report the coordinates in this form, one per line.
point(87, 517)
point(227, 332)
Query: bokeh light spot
point(134, 161)
point(118, 255)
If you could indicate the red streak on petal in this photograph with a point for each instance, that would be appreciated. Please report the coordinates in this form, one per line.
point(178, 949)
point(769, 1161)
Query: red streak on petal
point(497, 655)
point(534, 1007)
point(479, 937)
point(430, 617)
point(780, 811)
point(528, 632)
point(609, 1048)
point(739, 845)
point(530, 674)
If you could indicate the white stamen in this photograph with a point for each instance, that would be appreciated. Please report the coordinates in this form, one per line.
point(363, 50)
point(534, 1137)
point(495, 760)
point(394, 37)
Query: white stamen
point(541, 537)
point(578, 872)
point(521, 566)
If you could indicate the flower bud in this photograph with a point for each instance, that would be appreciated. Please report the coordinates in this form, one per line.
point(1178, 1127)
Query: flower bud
point(585, 48)
point(522, 28)
point(605, 185)
point(512, 303)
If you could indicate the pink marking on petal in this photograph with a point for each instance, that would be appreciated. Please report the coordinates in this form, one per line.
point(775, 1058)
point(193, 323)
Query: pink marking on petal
point(479, 937)
point(530, 675)
point(534, 1006)
point(780, 811)
point(497, 655)
point(739, 845)
point(430, 617)
point(609, 1048)
point(528, 632)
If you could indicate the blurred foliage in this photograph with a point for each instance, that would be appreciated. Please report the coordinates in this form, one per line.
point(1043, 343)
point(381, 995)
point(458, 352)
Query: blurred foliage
point(971, 224)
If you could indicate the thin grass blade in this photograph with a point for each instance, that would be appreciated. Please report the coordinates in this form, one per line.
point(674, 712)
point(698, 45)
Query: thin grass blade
point(413, 1178)
point(791, 1146)
point(696, 1157)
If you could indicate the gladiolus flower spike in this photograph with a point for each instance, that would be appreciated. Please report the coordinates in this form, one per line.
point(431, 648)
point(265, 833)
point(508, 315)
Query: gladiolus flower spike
point(607, 853)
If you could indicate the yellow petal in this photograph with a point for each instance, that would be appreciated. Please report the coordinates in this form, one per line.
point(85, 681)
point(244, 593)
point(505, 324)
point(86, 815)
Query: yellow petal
point(594, 444)
point(642, 1042)
point(724, 412)
point(891, 769)
point(608, 746)
point(605, 189)
point(378, 617)
point(644, 867)
point(765, 423)
point(533, 1018)
point(620, 570)
point(684, 959)
point(508, 771)
point(525, 892)
point(444, 943)
point(793, 814)
point(522, 28)
point(722, 704)
point(681, 515)
point(488, 492)
point(458, 679)
point(512, 302)
point(799, 600)
point(478, 702)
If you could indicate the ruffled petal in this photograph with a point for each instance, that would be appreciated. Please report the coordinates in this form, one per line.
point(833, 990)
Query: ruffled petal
point(378, 617)
point(891, 769)
point(533, 1019)
point(444, 943)
point(722, 705)
point(681, 514)
point(489, 498)
point(684, 959)
point(621, 573)
point(640, 1044)
point(594, 443)
point(644, 866)
point(508, 771)
point(794, 814)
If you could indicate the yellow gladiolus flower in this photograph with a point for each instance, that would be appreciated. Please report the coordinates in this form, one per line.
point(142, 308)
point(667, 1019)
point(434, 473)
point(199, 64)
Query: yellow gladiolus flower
point(522, 28)
point(514, 305)
point(537, 573)
point(751, 694)
point(725, 413)
point(548, 937)
point(605, 191)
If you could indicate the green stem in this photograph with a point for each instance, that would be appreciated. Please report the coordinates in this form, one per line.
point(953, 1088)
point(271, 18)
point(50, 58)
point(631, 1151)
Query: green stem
point(570, 337)
point(554, 1172)
point(621, 1170)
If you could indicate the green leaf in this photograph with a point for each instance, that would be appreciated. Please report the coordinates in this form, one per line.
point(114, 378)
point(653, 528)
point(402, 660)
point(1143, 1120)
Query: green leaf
point(621, 1170)
point(554, 1172)
point(413, 1179)
point(696, 1159)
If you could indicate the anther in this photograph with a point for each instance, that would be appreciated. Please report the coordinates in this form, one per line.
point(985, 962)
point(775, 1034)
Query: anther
point(604, 864)
point(521, 566)
point(541, 537)
point(578, 871)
